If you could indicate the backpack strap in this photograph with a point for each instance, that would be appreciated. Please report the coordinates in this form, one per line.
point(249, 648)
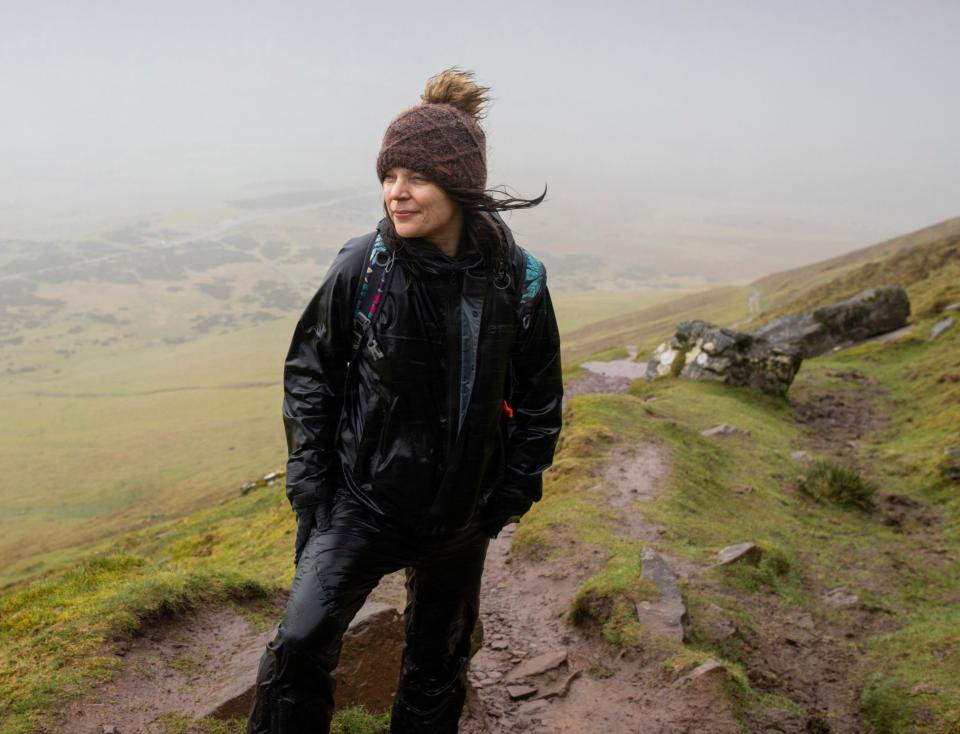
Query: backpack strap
point(379, 265)
point(534, 276)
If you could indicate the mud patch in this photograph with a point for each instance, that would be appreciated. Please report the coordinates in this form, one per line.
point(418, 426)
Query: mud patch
point(836, 420)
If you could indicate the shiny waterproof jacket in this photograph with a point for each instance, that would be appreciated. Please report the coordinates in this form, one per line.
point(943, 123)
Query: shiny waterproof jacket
point(416, 429)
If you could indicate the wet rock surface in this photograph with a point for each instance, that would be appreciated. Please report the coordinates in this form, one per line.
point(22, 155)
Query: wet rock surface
point(739, 553)
point(668, 614)
point(867, 314)
point(700, 350)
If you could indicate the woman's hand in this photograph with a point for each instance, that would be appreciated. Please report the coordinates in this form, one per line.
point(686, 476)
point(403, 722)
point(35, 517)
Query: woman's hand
point(314, 516)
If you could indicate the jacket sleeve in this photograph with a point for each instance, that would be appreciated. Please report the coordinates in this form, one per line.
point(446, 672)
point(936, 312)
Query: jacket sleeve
point(313, 382)
point(532, 433)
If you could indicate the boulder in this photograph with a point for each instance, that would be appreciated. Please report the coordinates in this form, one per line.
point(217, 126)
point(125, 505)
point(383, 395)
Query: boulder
point(667, 615)
point(700, 350)
point(867, 314)
point(367, 673)
point(369, 665)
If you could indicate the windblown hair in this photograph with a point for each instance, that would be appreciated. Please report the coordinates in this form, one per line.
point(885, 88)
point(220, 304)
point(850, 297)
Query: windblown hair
point(478, 227)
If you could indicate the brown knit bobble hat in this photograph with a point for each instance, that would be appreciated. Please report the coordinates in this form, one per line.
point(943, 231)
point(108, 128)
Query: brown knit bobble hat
point(441, 137)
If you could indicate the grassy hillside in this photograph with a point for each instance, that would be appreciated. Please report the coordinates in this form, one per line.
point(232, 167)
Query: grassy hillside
point(645, 327)
point(903, 652)
point(906, 260)
point(52, 627)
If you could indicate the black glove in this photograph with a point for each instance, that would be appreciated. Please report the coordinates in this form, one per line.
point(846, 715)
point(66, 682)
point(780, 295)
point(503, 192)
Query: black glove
point(310, 517)
point(493, 518)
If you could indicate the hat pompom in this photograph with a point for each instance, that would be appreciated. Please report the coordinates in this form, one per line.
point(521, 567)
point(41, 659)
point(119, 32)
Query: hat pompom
point(455, 87)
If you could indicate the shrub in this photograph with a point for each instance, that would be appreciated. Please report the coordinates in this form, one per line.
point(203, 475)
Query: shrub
point(831, 482)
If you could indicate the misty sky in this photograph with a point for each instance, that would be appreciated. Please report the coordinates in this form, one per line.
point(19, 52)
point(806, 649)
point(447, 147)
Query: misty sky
point(813, 127)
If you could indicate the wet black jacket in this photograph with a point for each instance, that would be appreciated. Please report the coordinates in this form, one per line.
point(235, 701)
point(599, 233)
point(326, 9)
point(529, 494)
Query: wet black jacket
point(392, 434)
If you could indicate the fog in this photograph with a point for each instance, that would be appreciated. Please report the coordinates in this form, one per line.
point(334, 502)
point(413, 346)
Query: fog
point(764, 130)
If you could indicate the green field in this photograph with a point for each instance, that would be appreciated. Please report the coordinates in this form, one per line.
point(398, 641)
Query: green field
point(113, 442)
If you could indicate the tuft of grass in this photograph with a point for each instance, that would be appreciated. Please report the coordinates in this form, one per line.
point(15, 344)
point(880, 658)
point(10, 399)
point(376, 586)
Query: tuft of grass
point(609, 598)
point(358, 720)
point(828, 481)
point(775, 570)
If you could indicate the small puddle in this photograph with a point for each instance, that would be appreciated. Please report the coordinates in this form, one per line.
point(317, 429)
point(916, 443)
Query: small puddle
point(625, 367)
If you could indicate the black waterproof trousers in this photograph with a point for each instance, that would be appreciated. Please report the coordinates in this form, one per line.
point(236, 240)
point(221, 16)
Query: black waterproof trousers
point(338, 568)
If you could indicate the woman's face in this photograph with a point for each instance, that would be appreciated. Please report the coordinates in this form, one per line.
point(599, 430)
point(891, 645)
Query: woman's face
point(420, 208)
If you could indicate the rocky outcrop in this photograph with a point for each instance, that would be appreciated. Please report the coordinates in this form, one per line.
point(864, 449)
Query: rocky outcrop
point(700, 350)
point(867, 314)
point(768, 358)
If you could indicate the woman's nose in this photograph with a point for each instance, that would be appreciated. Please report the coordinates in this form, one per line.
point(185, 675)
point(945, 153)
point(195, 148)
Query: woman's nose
point(399, 189)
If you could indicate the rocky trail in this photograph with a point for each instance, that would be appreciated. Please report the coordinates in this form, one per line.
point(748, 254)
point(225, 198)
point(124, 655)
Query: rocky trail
point(535, 673)
point(523, 608)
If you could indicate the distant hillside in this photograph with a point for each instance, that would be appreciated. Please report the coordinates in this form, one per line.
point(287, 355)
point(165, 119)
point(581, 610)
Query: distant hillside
point(926, 262)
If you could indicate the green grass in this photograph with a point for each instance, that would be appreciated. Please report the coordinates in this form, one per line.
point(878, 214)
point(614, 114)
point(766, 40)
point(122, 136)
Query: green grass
point(52, 631)
point(920, 666)
point(908, 260)
point(829, 481)
point(127, 441)
point(576, 310)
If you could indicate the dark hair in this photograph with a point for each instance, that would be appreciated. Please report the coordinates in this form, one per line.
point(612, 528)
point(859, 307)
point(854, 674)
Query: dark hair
point(480, 229)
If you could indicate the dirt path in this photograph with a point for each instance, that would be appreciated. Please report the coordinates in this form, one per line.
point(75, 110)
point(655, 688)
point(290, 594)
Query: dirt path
point(523, 608)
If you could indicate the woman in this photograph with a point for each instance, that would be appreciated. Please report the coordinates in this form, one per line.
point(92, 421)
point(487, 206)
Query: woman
point(422, 402)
